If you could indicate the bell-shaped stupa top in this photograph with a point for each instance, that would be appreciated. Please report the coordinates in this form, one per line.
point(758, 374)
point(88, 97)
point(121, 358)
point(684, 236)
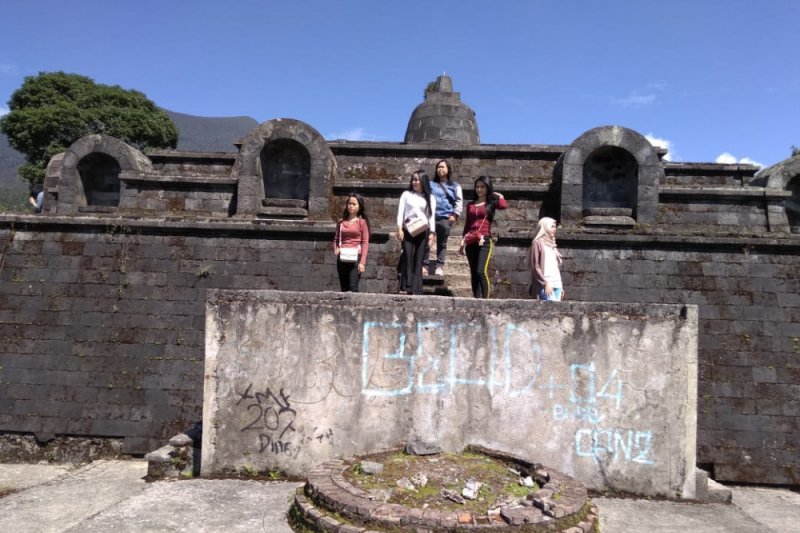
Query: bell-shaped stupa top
point(443, 118)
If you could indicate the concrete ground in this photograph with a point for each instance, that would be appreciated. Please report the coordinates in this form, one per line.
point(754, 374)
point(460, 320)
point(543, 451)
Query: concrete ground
point(112, 496)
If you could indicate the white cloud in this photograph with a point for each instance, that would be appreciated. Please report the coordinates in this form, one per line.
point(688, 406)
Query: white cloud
point(727, 158)
point(636, 99)
point(658, 142)
point(748, 161)
point(353, 134)
point(7, 69)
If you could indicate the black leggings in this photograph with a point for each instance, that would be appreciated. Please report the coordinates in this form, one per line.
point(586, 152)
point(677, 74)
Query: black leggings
point(348, 276)
point(411, 268)
point(478, 256)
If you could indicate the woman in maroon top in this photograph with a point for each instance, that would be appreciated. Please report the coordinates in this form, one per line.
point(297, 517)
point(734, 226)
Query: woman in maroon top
point(351, 243)
point(476, 240)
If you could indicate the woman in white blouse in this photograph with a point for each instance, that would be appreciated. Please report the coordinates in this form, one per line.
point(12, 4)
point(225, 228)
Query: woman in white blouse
point(416, 205)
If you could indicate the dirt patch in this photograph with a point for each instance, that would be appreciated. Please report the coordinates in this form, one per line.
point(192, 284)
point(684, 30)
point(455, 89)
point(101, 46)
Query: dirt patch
point(445, 472)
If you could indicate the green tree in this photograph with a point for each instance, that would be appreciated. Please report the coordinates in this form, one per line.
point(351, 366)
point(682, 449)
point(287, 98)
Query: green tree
point(795, 150)
point(54, 109)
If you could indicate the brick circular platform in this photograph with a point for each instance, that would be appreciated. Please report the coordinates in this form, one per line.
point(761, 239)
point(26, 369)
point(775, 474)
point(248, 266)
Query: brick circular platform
point(330, 503)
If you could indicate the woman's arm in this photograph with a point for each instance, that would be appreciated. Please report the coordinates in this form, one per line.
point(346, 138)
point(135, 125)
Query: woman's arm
point(537, 262)
point(364, 243)
point(336, 237)
point(501, 201)
point(459, 201)
point(401, 212)
point(468, 222)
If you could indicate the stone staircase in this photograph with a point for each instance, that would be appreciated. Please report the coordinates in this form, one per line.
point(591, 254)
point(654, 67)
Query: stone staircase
point(456, 279)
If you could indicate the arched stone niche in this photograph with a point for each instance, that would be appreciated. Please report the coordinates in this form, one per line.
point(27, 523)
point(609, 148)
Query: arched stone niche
point(90, 174)
point(100, 179)
point(284, 170)
point(609, 176)
point(783, 214)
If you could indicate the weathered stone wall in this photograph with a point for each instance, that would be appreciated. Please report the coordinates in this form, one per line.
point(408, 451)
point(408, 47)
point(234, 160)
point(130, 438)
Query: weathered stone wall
point(748, 295)
point(295, 379)
point(102, 320)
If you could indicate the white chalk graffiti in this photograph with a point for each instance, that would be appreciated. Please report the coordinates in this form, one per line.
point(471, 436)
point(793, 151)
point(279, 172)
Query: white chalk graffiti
point(426, 363)
point(432, 367)
point(614, 443)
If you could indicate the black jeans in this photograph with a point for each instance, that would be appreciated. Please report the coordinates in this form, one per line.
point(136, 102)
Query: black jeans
point(411, 268)
point(348, 276)
point(443, 227)
point(478, 257)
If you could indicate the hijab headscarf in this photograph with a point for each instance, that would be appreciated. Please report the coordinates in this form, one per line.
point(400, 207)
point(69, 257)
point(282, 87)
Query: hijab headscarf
point(542, 234)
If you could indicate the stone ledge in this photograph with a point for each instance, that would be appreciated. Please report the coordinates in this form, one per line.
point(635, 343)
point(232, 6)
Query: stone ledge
point(182, 179)
point(723, 193)
point(546, 152)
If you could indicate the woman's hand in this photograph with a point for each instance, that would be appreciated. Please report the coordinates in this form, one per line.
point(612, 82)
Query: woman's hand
point(336, 251)
point(499, 196)
point(399, 234)
point(361, 268)
point(431, 238)
point(548, 289)
point(461, 247)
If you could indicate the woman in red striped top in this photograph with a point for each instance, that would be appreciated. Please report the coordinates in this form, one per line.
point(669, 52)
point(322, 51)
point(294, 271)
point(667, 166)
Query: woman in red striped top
point(351, 243)
point(476, 241)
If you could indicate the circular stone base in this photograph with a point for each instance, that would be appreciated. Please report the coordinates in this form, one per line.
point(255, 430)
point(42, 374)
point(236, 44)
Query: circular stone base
point(339, 497)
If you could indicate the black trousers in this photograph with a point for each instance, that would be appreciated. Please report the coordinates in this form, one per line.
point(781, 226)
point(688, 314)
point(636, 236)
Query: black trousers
point(478, 256)
point(411, 266)
point(348, 276)
point(443, 227)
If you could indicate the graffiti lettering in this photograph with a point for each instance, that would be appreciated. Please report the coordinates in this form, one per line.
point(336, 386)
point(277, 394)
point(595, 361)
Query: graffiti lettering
point(617, 444)
point(434, 367)
point(576, 413)
point(271, 415)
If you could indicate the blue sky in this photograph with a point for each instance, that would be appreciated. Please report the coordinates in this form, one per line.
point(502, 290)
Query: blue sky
point(708, 77)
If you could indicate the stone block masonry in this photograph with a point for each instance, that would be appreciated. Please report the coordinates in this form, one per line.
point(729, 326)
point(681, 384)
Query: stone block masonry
point(102, 322)
point(295, 379)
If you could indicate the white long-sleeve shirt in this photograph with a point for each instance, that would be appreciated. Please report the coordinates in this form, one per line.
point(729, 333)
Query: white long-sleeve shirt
point(409, 203)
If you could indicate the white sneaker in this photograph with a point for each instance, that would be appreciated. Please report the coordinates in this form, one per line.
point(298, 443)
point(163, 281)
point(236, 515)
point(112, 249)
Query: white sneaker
point(439, 271)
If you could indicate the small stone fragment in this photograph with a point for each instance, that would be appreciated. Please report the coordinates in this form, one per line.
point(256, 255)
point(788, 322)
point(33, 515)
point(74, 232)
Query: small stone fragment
point(526, 481)
point(405, 484)
point(419, 480)
point(452, 496)
point(465, 517)
point(380, 495)
point(371, 468)
point(515, 472)
point(180, 440)
point(471, 489)
point(418, 447)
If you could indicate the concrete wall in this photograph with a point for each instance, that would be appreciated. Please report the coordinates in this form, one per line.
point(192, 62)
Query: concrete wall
point(603, 392)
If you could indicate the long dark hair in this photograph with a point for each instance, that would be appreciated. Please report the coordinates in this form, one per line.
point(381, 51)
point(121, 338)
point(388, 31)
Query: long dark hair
point(449, 170)
point(362, 211)
point(425, 185)
point(491, 199)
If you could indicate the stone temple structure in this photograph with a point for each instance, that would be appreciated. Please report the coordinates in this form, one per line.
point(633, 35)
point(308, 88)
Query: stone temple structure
point(102, 297)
